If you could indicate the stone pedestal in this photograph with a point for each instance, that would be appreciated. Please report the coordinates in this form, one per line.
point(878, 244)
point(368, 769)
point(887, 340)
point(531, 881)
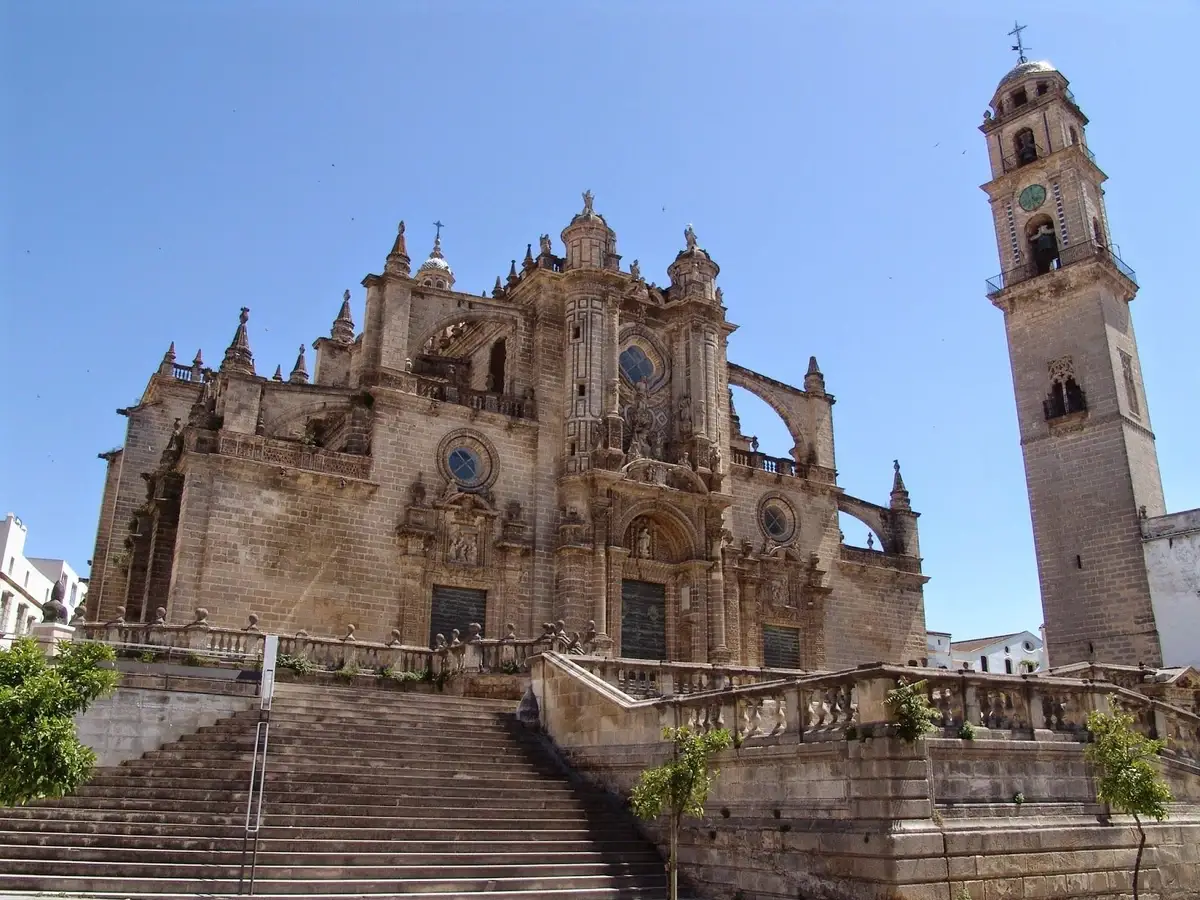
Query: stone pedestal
point(48, 634)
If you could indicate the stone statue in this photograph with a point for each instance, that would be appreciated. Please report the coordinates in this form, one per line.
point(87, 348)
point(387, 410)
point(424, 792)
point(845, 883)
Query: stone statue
point(463, 548)
point(417, 491)
point(588, 197)
point(544, 244)
point(635, 271)
point(684, 416)
point(689, 235)
point(55, 610)
point(640, 422)
point(643, 543)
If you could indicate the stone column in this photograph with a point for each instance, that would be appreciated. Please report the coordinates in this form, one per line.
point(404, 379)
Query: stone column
point(616, 574)
point(718, 650)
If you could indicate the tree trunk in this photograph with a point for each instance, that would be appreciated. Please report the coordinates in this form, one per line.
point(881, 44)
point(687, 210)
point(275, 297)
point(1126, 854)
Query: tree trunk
point(1137, 862)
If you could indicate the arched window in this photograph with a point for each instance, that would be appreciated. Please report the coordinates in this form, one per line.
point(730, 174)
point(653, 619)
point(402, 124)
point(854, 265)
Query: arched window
point(1098, 232)
point(497, 359)
point(441, 283)
point(1008, 666)
point(1074, 134)
point(1025, 146)
point(1066, 396)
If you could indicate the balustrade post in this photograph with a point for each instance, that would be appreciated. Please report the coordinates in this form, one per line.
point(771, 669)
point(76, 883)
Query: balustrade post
point(472, 657)
point(794, 712)
point(871, 694)
point(666, 682)
point(196, 633)
point(971, 708)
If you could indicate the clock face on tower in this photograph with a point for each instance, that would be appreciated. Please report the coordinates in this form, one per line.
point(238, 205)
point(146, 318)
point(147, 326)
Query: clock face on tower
point(1032, 197)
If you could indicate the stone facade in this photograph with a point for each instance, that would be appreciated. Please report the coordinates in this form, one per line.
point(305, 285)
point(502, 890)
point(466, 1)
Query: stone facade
point(1090, 461)
point(567, 447)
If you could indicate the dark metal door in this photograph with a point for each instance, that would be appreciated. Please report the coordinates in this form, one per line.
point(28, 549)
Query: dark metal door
point(455, 607)
point(781, 647)
point(643, 620)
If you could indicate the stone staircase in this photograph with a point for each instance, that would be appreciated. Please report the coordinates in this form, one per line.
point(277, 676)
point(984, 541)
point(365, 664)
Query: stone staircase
point(368, 793)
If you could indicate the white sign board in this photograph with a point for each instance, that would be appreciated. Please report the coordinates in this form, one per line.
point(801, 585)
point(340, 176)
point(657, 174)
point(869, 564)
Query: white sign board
point(267, 684)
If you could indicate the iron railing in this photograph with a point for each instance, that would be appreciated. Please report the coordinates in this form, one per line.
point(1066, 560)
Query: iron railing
point(1016, 160)
point(1075, 253)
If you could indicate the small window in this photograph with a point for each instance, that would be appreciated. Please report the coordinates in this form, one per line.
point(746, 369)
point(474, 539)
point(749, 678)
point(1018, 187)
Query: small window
point(1019, 97)
point(1028, 645)
point(27, 578)
point(1008, 669)
point(11, 561)
point(983, 664)
point(576, 333)
point(1074, 134)
point(581, 390)
point(1042, 88)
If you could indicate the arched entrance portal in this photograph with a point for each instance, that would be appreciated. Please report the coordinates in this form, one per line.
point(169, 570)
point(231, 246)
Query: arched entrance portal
point(659, 545)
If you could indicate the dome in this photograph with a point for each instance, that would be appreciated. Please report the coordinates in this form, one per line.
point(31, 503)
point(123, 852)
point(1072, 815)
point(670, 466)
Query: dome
point(1025, 69)
point(436, 262)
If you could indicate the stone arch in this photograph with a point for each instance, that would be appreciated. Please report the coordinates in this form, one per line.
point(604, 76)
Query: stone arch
point(776, 395)
point(875, 517)
point(285, 423)
point(466, 316)
point(681, 535)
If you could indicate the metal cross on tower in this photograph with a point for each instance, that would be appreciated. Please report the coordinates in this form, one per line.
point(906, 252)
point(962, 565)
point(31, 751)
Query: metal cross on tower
point(439, 227)
point(1019, 46)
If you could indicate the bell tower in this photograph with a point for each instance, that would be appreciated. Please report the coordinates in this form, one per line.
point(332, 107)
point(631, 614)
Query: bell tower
point(1090, 463)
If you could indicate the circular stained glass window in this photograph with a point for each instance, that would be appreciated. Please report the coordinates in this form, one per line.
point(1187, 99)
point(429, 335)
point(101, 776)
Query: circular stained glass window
point(636, 365)
point(464, 466)
point(777, 520)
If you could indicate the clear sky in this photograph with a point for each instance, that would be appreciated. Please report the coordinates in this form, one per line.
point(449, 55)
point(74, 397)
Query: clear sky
point(165, 163)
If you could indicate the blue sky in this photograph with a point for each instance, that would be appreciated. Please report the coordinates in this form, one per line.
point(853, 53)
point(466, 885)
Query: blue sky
point(166, 163)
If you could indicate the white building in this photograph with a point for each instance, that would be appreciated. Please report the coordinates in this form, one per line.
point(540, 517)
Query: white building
point(938, 646)
point(1010, 654)
point(1171, 544)
point(26, 582)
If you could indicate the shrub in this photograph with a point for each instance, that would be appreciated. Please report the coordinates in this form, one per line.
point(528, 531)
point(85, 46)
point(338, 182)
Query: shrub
point(908, 703)
point(966, 731)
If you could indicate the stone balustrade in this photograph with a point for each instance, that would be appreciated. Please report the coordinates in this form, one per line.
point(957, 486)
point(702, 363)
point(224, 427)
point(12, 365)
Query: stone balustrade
point(244, 646)
point(758, 704)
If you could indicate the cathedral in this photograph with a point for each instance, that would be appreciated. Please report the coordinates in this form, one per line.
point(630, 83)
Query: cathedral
point(567, 450)
point(564, 450)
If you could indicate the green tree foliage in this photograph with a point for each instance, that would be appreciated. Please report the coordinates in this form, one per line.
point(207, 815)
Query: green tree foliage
point(40, 754)
point(1127, 779)
point(680, 786)
point(911, 709)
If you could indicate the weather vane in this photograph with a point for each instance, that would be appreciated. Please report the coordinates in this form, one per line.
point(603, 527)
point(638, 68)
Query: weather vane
point(1019, 46)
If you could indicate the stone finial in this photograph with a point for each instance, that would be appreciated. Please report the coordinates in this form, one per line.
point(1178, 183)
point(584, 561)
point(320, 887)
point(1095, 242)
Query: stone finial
point(513, 278)
point(545, 246)
point(343, 326)
point(350, 629)
point(510, 632)
point(300, 370)
point(528, 262)
point(278, 376)
point(238, 358)
point(498, 290)
point(167, 366)
point(870, 541)
point(55, 610)
point(253, 620)
point(814, 381)
point(588, 199)
point(395, 641)
point(118, 617)
point(398, 262)
point(899, 491)
point(160, 616)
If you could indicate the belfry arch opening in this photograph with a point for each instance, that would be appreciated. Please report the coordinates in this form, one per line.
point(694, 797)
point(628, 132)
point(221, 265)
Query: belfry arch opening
point(1042, 243)
point(1025, 147)
point(497, 362)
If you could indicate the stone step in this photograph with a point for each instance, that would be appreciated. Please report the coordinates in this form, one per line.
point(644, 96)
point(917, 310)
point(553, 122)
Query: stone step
point(406, 715)
point(267, 885)
point(652, 891)
point(304, 769)
point(26, 844)
point(203, 865)
point(482, 787)
point(380, 744)
point(313, 828)
point(501, 759)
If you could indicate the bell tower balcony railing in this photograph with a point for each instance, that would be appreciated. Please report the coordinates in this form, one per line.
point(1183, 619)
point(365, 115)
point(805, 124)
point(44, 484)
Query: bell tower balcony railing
point(1075, 253)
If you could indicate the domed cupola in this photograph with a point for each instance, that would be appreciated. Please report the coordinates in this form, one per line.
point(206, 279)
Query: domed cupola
point(435, 271)
point(591, 244)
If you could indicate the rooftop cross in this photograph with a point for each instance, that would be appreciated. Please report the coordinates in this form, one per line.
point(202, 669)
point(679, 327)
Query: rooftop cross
point(1019, 46)
point(439, 227)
